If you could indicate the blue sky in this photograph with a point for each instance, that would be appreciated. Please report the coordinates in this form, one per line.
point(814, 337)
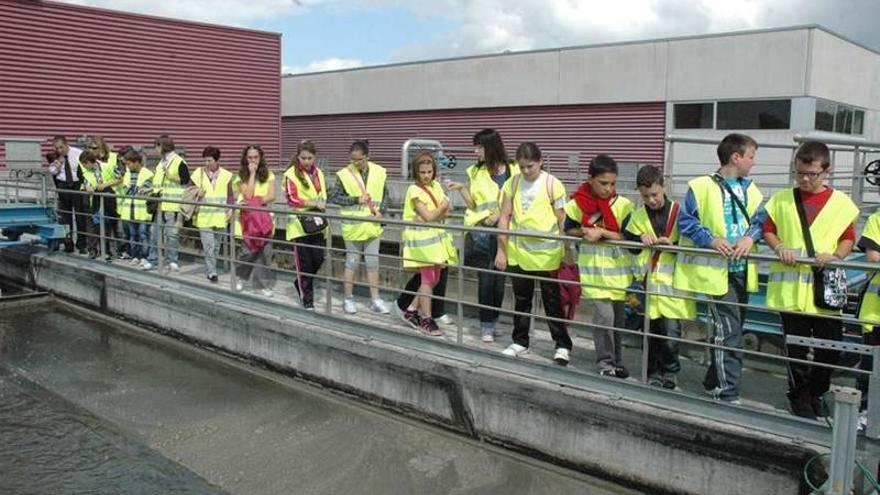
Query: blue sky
point(336, 34)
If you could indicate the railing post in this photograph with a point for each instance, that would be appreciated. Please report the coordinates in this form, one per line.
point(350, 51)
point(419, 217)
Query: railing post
point(843, 440)
point(101, 230)
point(328, 264)
point(669, 166)
point(856, 192)
point(160, 242)
point(646, 322)
point(873, 428)
point(231, 233)
point(459, 305)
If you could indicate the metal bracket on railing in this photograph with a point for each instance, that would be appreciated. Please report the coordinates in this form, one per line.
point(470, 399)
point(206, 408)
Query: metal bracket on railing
point(843, 441)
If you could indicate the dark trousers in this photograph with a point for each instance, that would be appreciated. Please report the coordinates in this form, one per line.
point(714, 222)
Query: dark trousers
point(94, 227)
point(438, 306)
point(724, 374)
point(490, 285)
point(806, 381)
point(74, 212)
point(663, 353)
point(308, 256)
point(523, 292)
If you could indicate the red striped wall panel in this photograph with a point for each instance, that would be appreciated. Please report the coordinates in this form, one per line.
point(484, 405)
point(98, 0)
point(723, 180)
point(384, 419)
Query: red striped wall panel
point(75, 70)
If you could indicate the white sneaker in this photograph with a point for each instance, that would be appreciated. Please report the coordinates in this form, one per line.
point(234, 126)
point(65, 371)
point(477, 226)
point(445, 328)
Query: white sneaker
point(444, 320)
point(239, 286)
point(561, 357)
point(135, 261)
point(515, 350)
point(349, 306)
point(378, 306)
point(124, 256)
point(174, 267)
point(863, 420)
point(146, 265)
point(268, 292)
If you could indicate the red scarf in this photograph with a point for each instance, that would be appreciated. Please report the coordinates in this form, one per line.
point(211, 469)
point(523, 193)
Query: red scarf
point(590, 204)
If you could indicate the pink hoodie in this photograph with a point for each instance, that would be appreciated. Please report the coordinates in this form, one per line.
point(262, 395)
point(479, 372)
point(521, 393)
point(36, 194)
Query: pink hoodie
point(256, 226)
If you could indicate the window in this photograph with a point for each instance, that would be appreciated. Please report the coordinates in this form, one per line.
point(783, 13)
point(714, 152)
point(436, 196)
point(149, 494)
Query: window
point(694, 115)
point(837, 117)
point(759, 114)
point(825, 111)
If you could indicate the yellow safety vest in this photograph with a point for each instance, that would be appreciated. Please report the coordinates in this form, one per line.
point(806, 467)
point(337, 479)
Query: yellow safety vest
point(167, 180)
point(212, 217)
point(351, 181)
point(425, 246)
point(113, 161)
point(108, 174)
point(792, 287)
point(660, 279)
point(127, 203)
point(261, 189)
point(294, 227)
point(484, 192)
point(606, 271)
point(870, 309)
point(707, 274)
point(534, 253)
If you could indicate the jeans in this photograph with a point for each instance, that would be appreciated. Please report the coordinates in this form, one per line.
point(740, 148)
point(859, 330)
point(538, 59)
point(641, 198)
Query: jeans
point(725, 369)
point(212, 239)
point(171, 232)
point(136, 234)
point(490, 285)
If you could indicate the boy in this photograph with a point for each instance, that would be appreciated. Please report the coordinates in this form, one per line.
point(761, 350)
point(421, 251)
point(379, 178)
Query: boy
point(830, 216)
point(98, 177)
point(722, 211)
point(597, 212)
point(133, 212)
point(657, 223)
point(533, 200)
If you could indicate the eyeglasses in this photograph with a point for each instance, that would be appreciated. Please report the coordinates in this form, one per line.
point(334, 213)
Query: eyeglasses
point(808, 175)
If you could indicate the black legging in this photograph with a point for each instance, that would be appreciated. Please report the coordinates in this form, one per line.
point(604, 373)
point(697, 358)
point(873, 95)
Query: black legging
point(308, 256)
point(438, 306)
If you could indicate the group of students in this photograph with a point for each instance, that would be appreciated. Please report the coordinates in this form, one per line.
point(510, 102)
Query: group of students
point(723, 211)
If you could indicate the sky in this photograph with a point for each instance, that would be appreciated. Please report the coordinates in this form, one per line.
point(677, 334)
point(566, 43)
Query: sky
point(320, 35)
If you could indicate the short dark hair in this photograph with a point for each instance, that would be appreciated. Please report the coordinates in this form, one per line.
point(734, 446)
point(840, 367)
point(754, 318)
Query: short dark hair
point(649, 175)
point(52, 156)
point(58, 138)
point(360, 144)
point(528, 151)
point(812, 151)
point(132, 156)
point(493, 146)
point(88, 157)
point(734, 143)
point(602, 164)
point(212, 152)
point(165, 143)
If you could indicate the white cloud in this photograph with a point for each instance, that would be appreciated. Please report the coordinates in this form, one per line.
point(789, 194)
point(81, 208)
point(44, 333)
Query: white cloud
point(323, 65)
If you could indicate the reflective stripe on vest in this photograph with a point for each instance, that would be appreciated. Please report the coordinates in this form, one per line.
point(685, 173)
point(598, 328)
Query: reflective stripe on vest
point(605, 271)
point(534, 253)
point(791, 288)
point(351, 181)
point(708, 274)
point(127, 202)
point(294, 227)
point(212, 217)
point(661, 300)
point(167, 179)
point(424, 246)
point(484, 192)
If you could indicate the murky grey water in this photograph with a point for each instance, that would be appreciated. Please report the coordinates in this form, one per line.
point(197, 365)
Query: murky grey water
point(87, 408)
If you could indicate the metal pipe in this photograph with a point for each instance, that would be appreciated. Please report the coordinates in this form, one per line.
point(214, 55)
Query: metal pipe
point(404, 153)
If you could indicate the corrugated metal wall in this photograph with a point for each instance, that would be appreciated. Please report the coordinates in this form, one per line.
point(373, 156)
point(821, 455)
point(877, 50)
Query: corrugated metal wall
point(74, 70)
point(631, 132)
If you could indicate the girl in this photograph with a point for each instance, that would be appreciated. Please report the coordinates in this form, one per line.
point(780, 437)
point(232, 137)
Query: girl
point(255, 186)
point(425, 248)
point(306, 190)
